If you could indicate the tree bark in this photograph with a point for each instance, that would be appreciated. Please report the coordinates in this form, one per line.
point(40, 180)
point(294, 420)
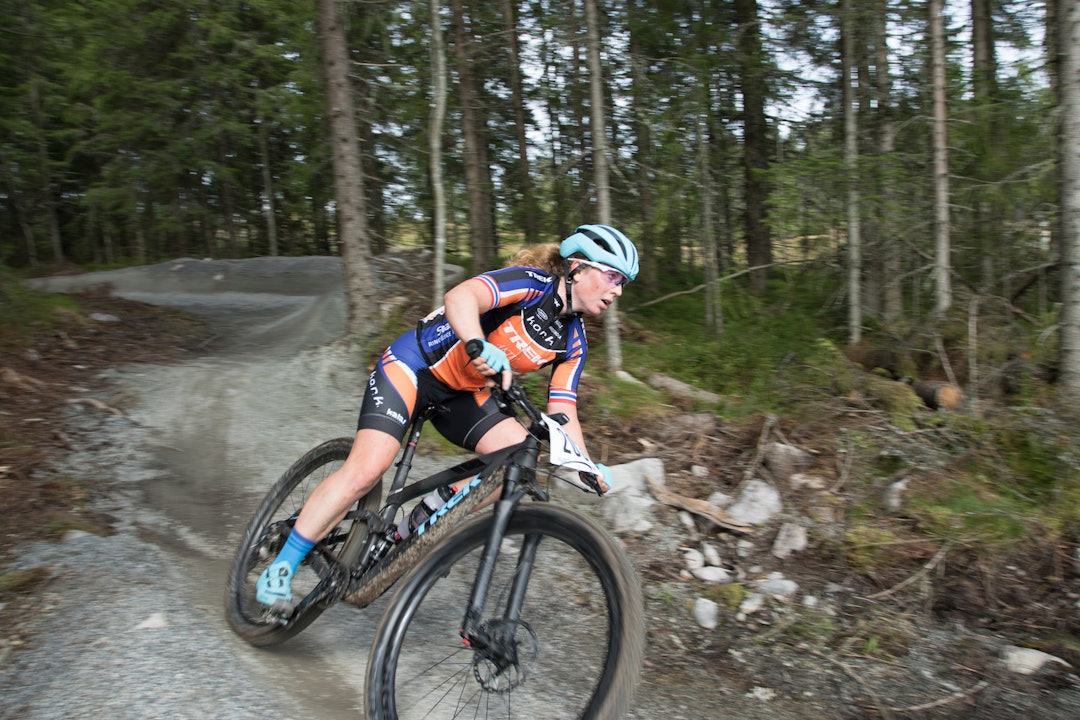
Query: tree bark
point(893, 300)
point(530, 215)
point(942, 243)
point(477, 171)
point(1069, 146)
point(435, 129)
point(360, 292)
point(755, 158)
point(851, 152)
point(598, 131)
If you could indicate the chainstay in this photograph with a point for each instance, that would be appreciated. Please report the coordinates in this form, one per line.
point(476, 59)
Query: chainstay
point(405, 555)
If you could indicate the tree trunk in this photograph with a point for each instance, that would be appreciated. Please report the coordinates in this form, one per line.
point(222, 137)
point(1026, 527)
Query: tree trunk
point(438, 113)
point(714, 314)
point(755, 158)
point(530, 215)
point(1069, 145)
point(851, 153)
point(360, 292)
point(942, 246)
point(598, 131)
point(472, 129)
point(892, 307)
point(268, 187)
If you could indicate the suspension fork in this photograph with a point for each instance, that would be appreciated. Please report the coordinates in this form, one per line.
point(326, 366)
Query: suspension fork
point(521, 463)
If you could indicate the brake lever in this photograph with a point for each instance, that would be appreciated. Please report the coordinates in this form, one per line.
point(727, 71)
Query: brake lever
point(594, 484)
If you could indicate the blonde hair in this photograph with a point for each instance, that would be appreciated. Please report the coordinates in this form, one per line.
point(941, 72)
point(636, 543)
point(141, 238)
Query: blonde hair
point(545, 256)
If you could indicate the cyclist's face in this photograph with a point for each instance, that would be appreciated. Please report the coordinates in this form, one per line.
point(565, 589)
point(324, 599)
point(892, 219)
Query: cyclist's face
point(596, 287)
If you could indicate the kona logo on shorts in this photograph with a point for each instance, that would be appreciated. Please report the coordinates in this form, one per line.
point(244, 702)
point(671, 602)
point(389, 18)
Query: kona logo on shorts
point(373, 389)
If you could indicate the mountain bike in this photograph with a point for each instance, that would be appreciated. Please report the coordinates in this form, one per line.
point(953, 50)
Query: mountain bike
point(529, 610)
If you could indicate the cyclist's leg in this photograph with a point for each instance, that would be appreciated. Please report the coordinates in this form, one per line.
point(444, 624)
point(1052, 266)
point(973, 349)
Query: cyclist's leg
point(473, 421)
point(384, 417)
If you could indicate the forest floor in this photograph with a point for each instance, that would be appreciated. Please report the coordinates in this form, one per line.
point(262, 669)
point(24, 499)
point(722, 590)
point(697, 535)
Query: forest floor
point(933, 650)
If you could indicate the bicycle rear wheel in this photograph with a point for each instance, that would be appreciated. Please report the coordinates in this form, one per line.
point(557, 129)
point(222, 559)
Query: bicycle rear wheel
point(575, 651)
point(266, 534)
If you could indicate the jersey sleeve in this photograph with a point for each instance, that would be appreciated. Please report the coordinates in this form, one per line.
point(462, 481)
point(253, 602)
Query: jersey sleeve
point(514, 286)
point(566, 373)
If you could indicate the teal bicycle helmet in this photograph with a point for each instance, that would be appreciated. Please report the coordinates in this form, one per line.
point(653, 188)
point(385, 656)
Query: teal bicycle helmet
point(603, 244)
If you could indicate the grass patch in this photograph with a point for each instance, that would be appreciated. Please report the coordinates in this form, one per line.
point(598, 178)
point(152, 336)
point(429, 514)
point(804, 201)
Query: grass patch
point(23, 581)
point(26, 311)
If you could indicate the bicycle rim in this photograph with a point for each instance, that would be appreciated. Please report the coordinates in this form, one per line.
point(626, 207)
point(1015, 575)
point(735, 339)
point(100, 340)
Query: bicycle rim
point(265, 536)
point(576, 649)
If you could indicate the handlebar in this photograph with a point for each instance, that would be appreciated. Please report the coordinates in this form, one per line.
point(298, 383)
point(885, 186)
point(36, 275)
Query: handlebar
point(515, 396)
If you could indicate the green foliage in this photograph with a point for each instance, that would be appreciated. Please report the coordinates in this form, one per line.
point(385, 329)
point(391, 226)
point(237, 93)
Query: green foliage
point(769, 343)
point(25, 311)
point(1016, 479)
point(726, 595)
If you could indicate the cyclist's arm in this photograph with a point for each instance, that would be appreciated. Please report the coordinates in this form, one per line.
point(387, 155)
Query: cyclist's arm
point(573, 428)
point(464, 304)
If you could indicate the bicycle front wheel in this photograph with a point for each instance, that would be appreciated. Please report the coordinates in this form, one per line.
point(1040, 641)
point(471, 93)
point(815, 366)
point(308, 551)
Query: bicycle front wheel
point(574, 652)
point(266, 534)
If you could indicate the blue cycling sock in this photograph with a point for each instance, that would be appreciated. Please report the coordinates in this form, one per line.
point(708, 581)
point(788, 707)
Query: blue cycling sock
point(296, 549)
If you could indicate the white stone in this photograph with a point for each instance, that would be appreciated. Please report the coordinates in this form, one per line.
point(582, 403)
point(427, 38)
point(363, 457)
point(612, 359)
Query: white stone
point(711, 574)
point(1028, 661)
point(705, 612)
point(758, 503)
point(744, 548)
point(154, 622)
point(720, 500)
point(779, 588)
point(763, 694)
point(807, 480)
point(699, 471)
point(751, 603)
point(694, 559)
point(894, 495)
point(711, 554)
point(790, 539)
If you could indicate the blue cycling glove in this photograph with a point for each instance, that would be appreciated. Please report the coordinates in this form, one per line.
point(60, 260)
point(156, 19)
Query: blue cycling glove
point(494, 357)
point(605, 472)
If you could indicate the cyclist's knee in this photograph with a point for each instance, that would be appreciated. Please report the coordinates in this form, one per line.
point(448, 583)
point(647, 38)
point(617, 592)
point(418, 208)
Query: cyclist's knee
point(504, 434)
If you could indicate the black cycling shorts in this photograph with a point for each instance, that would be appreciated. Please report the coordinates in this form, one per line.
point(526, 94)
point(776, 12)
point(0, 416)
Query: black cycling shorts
point(401, 384)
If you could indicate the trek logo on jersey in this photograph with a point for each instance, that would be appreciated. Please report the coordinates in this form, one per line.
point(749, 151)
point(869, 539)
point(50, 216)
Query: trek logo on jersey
point(523, 345)
point(546, 279)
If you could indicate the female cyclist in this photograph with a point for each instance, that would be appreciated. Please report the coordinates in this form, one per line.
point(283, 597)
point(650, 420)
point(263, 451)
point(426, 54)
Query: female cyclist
point(523, 317)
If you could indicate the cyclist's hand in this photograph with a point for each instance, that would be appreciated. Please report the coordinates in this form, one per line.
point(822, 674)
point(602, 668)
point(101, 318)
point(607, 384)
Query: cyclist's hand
point(490, 361)
point(606, 479)
point(602, 482)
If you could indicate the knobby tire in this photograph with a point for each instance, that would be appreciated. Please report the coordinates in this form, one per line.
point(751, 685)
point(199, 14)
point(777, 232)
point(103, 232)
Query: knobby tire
point(579, 642)
point(266, 534)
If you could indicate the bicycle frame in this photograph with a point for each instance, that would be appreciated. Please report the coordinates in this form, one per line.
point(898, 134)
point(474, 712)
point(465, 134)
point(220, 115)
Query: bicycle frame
point(518, 461)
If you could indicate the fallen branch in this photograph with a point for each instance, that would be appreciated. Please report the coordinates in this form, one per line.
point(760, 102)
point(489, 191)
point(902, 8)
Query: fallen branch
point(698, 507)
point(23, 382)
point(883, 709)
point(96, 404)
point(763, 440)
point(923, 571)
point(959, 695)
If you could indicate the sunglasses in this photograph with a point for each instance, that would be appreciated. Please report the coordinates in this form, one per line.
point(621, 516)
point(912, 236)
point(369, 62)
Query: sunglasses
point(614, 277)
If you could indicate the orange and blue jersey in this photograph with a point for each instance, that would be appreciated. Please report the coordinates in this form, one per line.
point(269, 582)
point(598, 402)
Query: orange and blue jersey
point(525, 320)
